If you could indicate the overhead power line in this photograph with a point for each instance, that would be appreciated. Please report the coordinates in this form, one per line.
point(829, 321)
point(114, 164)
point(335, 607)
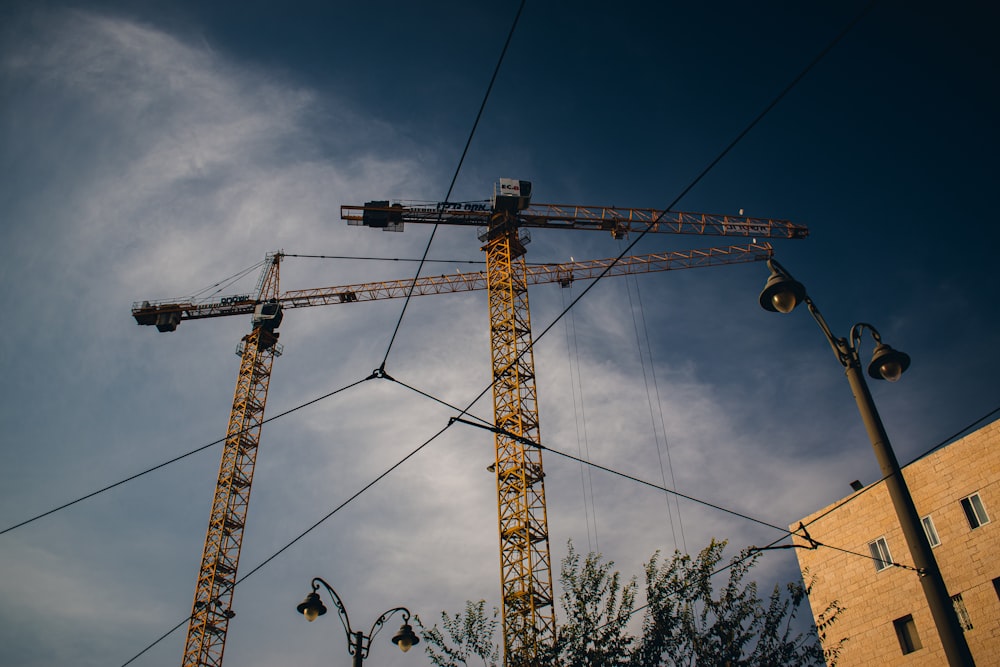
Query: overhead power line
point(178, 458)
point(487, 426)
point(301, 535)
point(454, 178)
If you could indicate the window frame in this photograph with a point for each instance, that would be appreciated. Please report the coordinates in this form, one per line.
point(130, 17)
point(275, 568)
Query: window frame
point(906, 633)
point(975, 510)
point(881, 556)
point(930, 530)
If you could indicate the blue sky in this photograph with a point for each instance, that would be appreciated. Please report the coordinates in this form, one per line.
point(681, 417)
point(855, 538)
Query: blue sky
point(149, 151)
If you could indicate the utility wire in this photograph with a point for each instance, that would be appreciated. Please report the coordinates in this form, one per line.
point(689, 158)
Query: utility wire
point(704, 172)
point(852, 498)
point(454, 178)
point(580, 419)
point(632, 478)
point(301, 535)
point(628, 248)
point(383, 374)
point(423, 260)
point(927, 453)
point(178, 458)
point(954, 436)
point(646, 376)
point(750, 552)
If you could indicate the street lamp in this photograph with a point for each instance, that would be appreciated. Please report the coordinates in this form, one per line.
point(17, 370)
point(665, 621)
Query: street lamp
point(357, 642)
point(782, 294)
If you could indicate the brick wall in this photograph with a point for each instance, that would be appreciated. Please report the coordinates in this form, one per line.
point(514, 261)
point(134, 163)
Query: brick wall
point(969, 559)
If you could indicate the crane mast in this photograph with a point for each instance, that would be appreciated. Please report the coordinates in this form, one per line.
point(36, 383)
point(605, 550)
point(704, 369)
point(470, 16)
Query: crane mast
point(526, 569)
point(212, 608)
point(525, 561)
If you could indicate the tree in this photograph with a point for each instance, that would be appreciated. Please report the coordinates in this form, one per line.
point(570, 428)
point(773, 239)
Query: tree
point(470, 635)
point(597, 609)
point(684, 621)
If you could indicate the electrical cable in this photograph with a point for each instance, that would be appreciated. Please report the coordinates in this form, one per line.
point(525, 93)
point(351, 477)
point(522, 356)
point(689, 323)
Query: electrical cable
point(571, 305)
point(454, 178)
point(663, 425)
point(786, 532)
point(668, 208)
point(704, 172)
point(532, 443)
point(301, 535)
point(868, 488)
point(582, 439)
point(936, 447)
point(383, 374)
point(639, 338)
point(750, 551)
point(953, 437)
point(180, 457)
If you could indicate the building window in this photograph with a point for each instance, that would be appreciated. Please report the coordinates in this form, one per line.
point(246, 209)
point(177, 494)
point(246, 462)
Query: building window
point(996, 586)
point(975, 512)
point(880, 554)
point(931, 531)
point(963, 614)
point(906, 632)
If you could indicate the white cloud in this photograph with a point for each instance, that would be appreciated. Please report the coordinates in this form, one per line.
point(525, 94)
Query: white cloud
point(145, 165)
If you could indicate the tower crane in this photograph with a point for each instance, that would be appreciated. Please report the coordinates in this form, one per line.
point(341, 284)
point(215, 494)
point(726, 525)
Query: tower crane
point(527, 614)
point(526, 573)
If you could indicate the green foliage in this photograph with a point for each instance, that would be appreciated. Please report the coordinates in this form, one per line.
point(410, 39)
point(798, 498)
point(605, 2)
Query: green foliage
point(685, 622)
point(597, 607)
point(470, 634)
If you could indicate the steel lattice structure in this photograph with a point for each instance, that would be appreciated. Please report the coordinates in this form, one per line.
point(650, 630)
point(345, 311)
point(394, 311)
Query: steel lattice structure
point(525, 561)
point(212, 608)
point(526, 570)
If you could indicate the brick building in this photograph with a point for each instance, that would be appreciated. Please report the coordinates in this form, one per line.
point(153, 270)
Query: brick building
point(886, 619)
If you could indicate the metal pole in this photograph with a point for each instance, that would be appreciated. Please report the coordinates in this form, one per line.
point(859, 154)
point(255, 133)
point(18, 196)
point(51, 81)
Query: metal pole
point(942, 609)
point(358, 656)
point(781, 294)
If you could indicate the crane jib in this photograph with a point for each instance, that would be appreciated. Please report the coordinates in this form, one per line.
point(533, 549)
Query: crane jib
point(392, 215)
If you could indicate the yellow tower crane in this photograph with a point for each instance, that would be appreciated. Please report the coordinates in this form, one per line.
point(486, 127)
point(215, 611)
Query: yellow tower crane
point(527, 614)
point(212, 610)
point(528, 618)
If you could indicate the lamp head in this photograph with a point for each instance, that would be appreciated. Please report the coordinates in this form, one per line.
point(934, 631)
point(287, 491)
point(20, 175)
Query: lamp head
point(887, 363)
point(781, 293)
point(312, 607)
point(405, 638)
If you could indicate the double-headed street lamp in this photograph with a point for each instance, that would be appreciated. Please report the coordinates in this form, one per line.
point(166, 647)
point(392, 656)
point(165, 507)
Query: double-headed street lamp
point(358, 643)
point(782, 294)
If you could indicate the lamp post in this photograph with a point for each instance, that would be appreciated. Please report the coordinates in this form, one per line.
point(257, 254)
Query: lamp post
point(358, 643)
point(782, 294)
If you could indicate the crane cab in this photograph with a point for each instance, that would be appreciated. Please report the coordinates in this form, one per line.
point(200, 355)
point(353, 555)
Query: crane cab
point(267, 315)
point(511, 195)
